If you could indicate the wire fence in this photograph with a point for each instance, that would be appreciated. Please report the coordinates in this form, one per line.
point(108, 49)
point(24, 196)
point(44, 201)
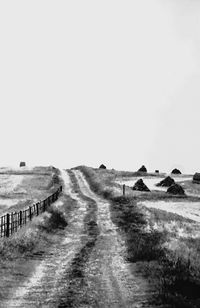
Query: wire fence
point(12, 222)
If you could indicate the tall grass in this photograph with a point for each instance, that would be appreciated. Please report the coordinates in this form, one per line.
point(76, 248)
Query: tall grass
point(34, 235)
point(175, 274)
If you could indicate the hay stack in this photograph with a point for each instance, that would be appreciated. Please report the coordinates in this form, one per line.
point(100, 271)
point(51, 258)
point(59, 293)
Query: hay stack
point(167, 182)
point(22, 164)
point(176, 189)
point(142, 169)
point(176, 171)
point(196, 178)
point(102, 166)
point(139, 185)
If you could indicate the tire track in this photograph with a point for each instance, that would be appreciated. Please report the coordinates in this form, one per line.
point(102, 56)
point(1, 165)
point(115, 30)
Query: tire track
point(76, 294)
point(109, 276)
point(45, 287)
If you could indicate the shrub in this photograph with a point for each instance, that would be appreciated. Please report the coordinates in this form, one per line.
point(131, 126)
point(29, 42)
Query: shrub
point(54, 219)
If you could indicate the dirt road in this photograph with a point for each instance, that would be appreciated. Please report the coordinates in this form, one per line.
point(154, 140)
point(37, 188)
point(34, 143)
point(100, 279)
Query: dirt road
point(86, 267)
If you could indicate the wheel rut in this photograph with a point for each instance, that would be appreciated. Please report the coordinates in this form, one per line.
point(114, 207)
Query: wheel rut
point(113, 282)
point(51, 283)
point(76, 294)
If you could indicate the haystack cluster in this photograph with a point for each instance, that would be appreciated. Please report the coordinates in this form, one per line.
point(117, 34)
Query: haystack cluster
point(173, 187)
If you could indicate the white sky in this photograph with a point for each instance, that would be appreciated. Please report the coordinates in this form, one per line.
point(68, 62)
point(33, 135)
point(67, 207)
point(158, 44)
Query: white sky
point(90, 82)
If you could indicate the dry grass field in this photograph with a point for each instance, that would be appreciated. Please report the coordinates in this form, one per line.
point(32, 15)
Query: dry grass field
point(159, 235)
point(21, 187)
point(162, 232)
point(23, 250)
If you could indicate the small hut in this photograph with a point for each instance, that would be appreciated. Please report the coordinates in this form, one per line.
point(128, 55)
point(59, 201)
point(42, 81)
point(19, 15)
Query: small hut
point(102, 166)
point(176, 189)
point(176, 171)
point(196, 178)
point(22, 164)
point(142, 169)
point(167, 182)
point(139, 185)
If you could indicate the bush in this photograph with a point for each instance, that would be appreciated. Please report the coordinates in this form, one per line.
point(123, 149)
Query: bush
point(53, 220)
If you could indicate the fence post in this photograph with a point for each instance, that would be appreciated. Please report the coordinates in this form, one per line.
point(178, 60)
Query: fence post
point(7, 224)
point(124, 190)
point(25, 216)
point(1, 226)
point(44, 205)
point(20, 218)
point(30, 213)
point(37, 209)
point(11, 223)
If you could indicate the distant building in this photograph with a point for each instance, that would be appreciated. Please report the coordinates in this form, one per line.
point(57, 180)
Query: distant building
point(156, 171)
point(22, 164)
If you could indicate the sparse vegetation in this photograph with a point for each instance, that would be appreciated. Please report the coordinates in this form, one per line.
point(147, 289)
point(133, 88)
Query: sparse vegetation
point(32, 185)
point(169, 260)
point(20, 253)
point(34, 235)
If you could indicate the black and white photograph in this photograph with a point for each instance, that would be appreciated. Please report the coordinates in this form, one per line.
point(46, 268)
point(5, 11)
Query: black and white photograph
point(99, 154)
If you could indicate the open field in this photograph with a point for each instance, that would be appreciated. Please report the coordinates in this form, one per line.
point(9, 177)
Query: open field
point(22, 187)
point(152, 181)
point(162, 233)
point(95, 247)
point(21, 253)
point(188, 208)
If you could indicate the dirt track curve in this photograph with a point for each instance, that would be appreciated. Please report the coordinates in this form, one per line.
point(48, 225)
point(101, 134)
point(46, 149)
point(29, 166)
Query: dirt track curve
point(85, 268)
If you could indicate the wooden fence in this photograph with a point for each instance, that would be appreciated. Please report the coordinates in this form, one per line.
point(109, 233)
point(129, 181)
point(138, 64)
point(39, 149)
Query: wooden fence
point(12, 222)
